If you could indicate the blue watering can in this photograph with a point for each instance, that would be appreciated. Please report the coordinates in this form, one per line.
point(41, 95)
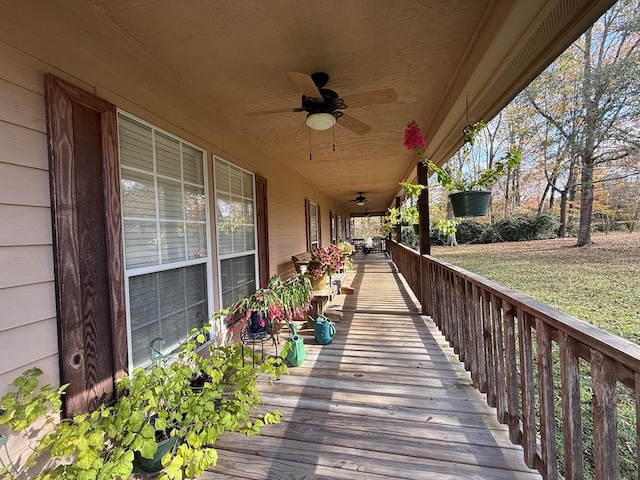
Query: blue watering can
point(324, 329)
point(295, 353)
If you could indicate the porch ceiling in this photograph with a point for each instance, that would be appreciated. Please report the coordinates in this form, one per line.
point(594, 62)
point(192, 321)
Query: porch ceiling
point(432, 53)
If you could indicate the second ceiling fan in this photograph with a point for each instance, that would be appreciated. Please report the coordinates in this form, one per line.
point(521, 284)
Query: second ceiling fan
point(325, 107)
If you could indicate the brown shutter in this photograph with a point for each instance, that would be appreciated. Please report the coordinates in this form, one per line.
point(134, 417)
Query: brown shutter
point(319, 220)
point(263, 230)
point(87, 233)
point(307, 222)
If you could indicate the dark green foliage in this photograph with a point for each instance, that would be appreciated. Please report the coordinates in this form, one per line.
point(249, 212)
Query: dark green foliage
point(470, 231)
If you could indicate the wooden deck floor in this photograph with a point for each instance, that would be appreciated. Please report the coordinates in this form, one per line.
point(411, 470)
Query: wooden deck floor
point(387, 399)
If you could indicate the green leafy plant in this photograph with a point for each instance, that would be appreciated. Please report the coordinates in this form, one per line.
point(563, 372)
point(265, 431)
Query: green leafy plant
point(461, 179)
point(326, 261)
point(280, 302)
point(153, 404)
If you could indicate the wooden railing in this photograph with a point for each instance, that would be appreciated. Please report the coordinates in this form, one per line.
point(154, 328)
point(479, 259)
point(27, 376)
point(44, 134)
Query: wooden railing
point(567, 390)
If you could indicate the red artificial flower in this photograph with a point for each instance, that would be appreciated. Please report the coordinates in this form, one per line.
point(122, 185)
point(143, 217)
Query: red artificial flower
point(413, 138)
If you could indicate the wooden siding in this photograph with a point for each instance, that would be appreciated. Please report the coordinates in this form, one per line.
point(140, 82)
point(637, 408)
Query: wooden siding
point(387, 399)
point(138, 86)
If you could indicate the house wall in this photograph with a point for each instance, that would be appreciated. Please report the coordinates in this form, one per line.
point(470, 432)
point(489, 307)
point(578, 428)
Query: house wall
point(82, 50)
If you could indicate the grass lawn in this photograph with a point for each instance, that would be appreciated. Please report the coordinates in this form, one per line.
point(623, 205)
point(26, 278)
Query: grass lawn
point(599, 284)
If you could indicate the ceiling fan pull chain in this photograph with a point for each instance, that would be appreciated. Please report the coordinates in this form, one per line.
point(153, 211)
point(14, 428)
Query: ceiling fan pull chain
point(310, 157)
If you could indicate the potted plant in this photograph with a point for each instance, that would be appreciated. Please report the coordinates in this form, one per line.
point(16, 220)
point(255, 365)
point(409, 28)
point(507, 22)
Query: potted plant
point(105, 442)
point(324, 263)
point(469, 191)
point(268, 310)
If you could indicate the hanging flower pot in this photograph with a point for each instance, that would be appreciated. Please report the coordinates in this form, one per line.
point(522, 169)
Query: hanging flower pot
point(473, 203)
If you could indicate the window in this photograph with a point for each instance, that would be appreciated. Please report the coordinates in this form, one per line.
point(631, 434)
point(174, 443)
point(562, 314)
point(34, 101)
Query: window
point(167, 263)
point(235, 231)
point(312, 224)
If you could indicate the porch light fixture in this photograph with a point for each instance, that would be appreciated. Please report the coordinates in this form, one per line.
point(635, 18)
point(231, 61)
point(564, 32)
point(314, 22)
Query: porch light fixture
point(320, 121)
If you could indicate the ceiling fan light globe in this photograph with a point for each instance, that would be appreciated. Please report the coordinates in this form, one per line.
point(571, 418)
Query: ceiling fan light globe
point(360, 203)
point(320, 121)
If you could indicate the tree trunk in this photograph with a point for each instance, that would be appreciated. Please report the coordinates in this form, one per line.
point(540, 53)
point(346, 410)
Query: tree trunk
point(562, 230)
point(586, 177)
point(586, 203)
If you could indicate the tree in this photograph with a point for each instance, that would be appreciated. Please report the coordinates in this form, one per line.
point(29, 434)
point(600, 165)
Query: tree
point(600, 95)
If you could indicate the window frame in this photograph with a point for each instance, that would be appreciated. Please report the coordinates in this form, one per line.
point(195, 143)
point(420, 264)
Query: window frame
point(227, 256)
point(162, 267)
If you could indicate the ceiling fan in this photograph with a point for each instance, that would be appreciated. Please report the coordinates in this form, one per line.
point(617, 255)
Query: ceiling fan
point(324, 107)
point(360, 199)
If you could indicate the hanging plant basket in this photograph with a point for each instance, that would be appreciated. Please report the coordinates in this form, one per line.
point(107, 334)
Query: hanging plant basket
point(473, 203)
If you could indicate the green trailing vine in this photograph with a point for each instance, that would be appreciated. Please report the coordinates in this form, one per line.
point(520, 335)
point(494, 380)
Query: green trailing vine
point(153, 404)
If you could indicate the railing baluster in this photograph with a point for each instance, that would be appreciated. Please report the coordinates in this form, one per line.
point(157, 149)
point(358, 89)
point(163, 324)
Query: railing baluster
point(513, 412)
point(498, 343)
point(571, 413)
point(526, 384)
point(547, 413)
point(487, 333)
point(603, 372)
point(471, 329)
point(478, 322)
point(457, 318)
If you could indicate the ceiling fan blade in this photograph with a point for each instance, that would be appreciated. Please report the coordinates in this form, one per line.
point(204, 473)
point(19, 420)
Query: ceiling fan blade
point(269, 112)
point(374, 97)
point(305, 83)
point(354, 124)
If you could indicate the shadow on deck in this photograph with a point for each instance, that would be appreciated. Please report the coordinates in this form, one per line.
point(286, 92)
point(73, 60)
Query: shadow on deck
point(387, 399)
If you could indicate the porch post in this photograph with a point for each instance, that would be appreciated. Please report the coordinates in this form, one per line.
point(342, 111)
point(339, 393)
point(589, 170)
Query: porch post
point(398, 226)
point(423, 210)
point(425, 244)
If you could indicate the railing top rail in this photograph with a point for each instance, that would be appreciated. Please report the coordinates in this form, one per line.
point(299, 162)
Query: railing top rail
point(623, 351)
point(618, 348)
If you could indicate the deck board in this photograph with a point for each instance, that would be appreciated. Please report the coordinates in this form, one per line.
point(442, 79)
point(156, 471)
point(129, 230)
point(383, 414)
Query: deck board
point(387, 399)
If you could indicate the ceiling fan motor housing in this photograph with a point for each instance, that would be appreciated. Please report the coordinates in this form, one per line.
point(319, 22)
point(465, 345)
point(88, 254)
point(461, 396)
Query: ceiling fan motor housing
point(331, 103)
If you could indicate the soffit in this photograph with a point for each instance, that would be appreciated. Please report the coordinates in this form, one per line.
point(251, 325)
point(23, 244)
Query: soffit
point(433, 53)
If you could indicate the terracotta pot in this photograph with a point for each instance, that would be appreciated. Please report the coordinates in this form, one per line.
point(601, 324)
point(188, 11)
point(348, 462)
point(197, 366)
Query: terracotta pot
point(319, 283)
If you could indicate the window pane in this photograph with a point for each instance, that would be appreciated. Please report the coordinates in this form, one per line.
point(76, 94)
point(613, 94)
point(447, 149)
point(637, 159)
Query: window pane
point(197, 240)
point(172, 288)
point(235, 177)
point(194, 202)
point(247, 185)
point(222, 177)
point(170, 199)
point(250, 237)
point(166, 304)
point(196, 285)
point(168, 156)
point(140, 243)
point(141, 344)
point(192, 165)
point(143, 300)
point(172, 242)
point(136, 147)
point(138, 194)
point(238, 278)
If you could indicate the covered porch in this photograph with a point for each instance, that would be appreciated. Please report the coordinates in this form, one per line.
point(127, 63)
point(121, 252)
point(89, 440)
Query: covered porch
point(388, 398)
